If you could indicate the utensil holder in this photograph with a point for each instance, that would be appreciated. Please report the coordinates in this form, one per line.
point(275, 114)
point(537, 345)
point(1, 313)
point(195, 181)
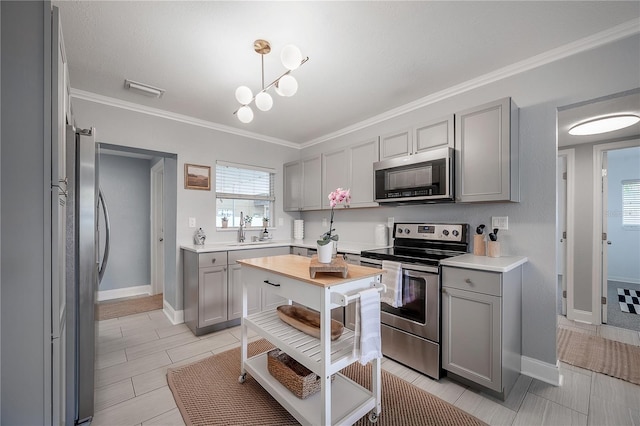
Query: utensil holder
point(479, 245)
point(493, 249)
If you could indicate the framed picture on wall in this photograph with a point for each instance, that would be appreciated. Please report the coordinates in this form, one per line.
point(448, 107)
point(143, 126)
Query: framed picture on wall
point(197, 177)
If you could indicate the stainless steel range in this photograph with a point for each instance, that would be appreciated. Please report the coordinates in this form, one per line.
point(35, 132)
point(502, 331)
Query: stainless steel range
point(411, 332)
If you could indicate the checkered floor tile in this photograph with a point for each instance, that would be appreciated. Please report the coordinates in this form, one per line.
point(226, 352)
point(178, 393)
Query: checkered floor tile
point(629, 300)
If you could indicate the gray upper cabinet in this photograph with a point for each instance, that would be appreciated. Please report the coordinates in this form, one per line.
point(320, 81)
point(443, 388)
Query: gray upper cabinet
point(335, 173)
point(434, 134)
point(302, 185)
point(422, 137)
point(362, 155)
point(351, 168)
point(487, 157)
point(396, 144)
point(292, 186)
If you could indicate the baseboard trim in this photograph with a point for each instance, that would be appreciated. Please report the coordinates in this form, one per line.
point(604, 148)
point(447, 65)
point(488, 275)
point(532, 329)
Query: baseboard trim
point(582, 316)
point(542, 371)
point(176, 317)
point(624, 280)
point(118, 293)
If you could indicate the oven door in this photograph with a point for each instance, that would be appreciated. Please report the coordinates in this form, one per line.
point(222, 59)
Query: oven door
point(420, 312)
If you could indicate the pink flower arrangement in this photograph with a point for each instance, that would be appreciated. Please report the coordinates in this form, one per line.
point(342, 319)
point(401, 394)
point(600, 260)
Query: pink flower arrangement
point(336, 197)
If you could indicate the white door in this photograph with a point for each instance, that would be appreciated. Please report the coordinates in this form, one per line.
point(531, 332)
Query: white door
point(605, 242)
point(157, 228)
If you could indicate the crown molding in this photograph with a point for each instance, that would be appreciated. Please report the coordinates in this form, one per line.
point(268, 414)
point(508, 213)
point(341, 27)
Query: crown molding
point(117, 103)
point(610, 35)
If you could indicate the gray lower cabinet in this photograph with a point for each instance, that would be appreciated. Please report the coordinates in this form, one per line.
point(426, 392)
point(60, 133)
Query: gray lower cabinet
point(481, 327)
point(213, 289)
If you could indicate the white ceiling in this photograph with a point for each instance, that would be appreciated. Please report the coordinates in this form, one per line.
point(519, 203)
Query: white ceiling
point(366, 58)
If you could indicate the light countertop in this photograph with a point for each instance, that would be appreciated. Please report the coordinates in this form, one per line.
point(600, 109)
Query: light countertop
point(343, 246)
point(297, 267)
point(485, 263)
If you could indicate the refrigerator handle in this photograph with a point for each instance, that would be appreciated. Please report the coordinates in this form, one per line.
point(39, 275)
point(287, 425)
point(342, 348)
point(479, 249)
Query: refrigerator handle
point(105, 258)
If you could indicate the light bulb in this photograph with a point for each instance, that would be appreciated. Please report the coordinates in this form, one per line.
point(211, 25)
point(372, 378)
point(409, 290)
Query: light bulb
point(244, 95)
point(264, 101)
point(291, 57)
point(288, 85)
point(245, 114)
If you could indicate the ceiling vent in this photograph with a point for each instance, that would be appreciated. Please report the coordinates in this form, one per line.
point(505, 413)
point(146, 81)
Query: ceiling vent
point(144, 89)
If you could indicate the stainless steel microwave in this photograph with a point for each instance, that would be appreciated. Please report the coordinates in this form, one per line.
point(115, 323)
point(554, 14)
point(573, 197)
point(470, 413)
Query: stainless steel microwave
point(426, 177)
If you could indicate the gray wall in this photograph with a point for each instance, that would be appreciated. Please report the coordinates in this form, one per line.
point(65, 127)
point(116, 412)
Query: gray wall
point(25, 214)
point(126, 186)
point(192, 144)
point(539, 92)
point(624, 252)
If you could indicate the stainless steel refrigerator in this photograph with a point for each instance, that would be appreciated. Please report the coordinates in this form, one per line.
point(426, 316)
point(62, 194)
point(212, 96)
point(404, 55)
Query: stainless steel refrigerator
point(85, 265)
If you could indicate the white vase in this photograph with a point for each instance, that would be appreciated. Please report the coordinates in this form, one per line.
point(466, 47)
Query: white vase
point(325, 252)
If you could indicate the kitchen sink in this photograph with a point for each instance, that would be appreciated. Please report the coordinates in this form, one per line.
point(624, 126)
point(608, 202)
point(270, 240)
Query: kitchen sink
point(250, 243)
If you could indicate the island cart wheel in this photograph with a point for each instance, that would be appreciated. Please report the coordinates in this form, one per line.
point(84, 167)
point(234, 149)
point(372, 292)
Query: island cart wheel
point(373, 417)
point(242, 378)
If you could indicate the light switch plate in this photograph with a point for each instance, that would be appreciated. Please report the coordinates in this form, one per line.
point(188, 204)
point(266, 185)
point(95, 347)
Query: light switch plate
point(500, 222)
point(325, 223)
point(280, 221)
point(390, 221)
point(192, 222)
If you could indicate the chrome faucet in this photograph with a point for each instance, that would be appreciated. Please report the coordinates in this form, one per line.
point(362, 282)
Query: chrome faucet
point(241, 229)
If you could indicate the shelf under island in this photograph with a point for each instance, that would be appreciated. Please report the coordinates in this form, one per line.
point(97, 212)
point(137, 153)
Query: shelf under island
point(340, 402)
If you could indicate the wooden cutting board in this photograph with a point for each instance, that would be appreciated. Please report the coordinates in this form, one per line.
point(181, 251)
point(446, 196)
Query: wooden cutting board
point(338, 264)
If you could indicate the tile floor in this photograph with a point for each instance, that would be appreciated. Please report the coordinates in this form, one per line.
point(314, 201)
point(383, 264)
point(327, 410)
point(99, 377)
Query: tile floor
point(134, 352)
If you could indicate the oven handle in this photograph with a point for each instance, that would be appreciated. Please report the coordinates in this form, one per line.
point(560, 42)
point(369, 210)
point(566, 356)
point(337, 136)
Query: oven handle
point(405, 267)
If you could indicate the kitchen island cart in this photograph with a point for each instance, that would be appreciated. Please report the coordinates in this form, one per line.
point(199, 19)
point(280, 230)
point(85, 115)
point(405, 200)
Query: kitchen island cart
point(337, 403)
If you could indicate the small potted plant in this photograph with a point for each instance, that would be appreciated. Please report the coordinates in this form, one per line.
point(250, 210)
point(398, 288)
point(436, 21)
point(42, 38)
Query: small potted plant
point(225, 221)
point(265, 222)
point(327, 240)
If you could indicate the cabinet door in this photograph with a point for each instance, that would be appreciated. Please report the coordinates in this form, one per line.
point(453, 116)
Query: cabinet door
point(292, 177)
point(212, 297)
point(395, 144)
point(235, 291)
point(312, 183)
point(361, 159)
point(485, 168)
point(471, 336)
point(335, 173)
point(434, 134)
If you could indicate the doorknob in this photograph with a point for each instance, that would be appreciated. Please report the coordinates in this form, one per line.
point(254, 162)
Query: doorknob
point(609, 242)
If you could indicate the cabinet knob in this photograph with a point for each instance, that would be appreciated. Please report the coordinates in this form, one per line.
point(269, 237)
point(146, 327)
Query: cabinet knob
point(213, 260)
point(444, 291)
point(468, 281)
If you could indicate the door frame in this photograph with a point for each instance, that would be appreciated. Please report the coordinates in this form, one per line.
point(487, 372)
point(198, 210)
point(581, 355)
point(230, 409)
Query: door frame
point(597, 274)
point(570, 155)
point(157, 215)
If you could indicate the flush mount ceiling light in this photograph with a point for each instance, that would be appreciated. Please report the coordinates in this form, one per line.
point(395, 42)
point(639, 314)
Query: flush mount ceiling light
point(285, 85)
point(604, 124)
point(144, 89)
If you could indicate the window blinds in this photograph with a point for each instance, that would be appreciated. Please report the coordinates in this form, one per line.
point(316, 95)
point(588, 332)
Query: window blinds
point(631, 203)
point(249, 183)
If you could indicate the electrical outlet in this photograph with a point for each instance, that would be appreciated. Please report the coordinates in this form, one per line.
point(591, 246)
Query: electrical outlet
point(325, 223)
point(390, 221)
point(500, 222)
point(280, 221)
point(192, 222)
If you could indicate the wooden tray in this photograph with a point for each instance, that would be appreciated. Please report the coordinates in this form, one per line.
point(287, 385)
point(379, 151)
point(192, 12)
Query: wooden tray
point(338, 264)
point(307, 321)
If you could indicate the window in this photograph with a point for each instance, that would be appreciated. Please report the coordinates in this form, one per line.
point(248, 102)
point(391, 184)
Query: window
point(631, 203)
point(246, 190)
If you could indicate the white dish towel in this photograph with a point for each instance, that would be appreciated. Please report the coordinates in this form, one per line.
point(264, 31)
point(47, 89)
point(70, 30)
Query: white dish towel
point(393, 280)
point(367, 342)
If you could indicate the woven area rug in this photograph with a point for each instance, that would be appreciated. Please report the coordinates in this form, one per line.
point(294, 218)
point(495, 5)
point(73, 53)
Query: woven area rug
point(121, 308)
point(207, 392)
point(615, 359)
point(629, 300)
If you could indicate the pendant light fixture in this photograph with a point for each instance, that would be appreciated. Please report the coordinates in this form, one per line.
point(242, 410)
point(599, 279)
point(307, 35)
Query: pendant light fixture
point(605, 124)
point(285, 85)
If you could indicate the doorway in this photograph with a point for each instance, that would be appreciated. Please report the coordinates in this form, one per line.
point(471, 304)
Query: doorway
point(617, 240)
point(565, 193)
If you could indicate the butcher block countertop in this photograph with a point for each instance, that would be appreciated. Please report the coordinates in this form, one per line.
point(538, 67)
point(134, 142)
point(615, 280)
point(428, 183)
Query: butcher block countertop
point(297, 267)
